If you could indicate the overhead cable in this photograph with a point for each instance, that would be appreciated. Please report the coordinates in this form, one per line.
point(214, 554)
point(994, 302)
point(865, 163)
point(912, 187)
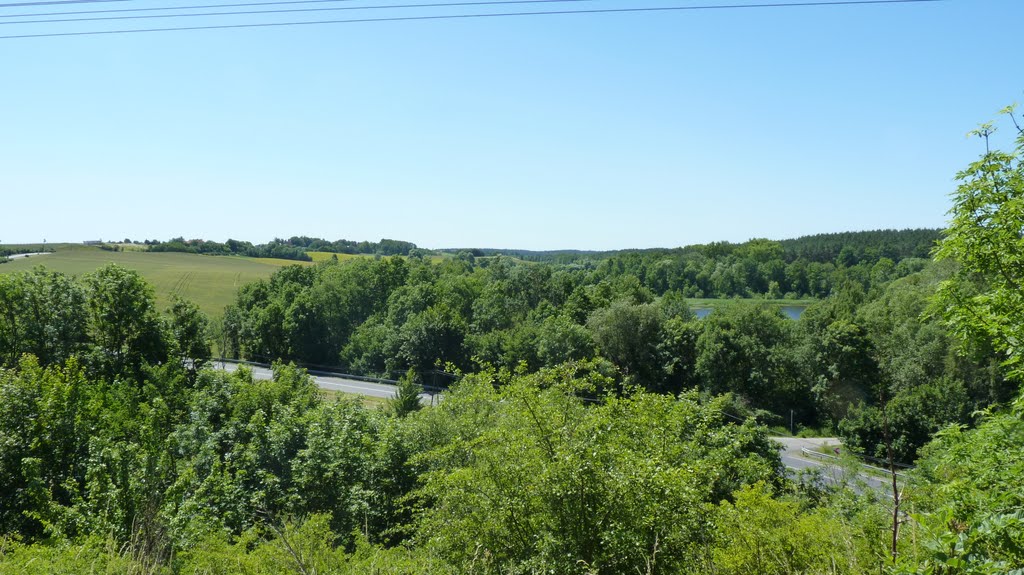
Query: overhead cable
point(469, 16)
point(294, 10)
point(164, 8)
point(56, 3)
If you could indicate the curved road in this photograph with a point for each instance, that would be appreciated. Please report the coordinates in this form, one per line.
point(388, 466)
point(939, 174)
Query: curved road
point(795, 460)
point(332, 382)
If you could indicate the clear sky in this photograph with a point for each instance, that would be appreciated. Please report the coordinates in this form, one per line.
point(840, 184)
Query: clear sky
point(596, 131)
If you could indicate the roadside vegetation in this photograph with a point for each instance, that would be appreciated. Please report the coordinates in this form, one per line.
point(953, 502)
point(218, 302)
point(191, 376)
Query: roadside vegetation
point(591, 424)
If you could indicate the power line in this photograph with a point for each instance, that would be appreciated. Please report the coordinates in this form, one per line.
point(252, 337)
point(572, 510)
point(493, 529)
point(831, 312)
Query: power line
point(154, 9)
point(470, 16)
point(292, 10)
point(56, 3)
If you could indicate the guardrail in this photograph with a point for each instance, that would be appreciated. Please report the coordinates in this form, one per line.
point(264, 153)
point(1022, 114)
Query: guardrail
point(826, 456)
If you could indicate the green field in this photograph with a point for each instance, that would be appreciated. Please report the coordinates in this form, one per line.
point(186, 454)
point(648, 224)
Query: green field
point(325, 256)
point(210, 281)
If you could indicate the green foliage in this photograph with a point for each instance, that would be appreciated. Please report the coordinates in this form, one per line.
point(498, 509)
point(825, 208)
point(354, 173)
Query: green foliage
point(123, 319)
point(42, 313)
point(94, 555)
point(751, 350)
point(190, 333)
point(407, 395)
point(758, 533)
point(970, 499)
point(884, 349)
point(531, 477)
point(45, 423)
point(984, 300)
point(629, 335)
point(848, 371)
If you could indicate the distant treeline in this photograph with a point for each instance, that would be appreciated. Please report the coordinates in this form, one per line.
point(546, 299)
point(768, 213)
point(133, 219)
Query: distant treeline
point(767, 268)
point(848, 248)
point(22, 249)
point(852, 248)
point(274, 249)
point(293, 248)
point(811, 266)
point(385, 247)
point(10, 251)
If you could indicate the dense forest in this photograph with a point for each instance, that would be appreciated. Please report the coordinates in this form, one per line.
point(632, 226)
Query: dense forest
point(591, 424)
point(855, 247)
point(383, 317)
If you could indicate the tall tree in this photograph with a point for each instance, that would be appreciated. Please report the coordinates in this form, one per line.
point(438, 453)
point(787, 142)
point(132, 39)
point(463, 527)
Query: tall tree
point(750, 350)
point(42, 313)
point(122, 315)
point(984, 301)
point(629, 335)
point(190, 333)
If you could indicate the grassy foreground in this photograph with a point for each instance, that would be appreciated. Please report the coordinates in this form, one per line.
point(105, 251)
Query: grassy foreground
point(209, 281)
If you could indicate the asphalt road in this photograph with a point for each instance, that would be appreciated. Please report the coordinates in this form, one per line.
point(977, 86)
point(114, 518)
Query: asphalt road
point(381, 390)
point(796, 460)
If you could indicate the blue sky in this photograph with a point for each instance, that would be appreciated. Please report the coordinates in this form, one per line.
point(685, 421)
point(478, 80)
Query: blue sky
point(594, 131)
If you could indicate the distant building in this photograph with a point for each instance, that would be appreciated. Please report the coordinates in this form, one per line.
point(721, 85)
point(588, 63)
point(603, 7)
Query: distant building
point(92, 243)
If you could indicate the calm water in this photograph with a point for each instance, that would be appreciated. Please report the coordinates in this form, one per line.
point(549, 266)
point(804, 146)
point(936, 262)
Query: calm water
point(790, 311)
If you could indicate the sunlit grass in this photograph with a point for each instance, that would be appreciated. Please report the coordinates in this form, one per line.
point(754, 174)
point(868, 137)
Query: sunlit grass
point(209, 281)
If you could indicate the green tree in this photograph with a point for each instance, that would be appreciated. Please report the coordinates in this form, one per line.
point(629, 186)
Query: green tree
point(984, 300)
point(190, 333)
point(629, 335)
point(407, 394)
point(531, 478)
point(760, 534)
point(751, 350)
point(847, 372)
point(435, 336)
point(42, 313)
point(559, 340)
point(972, 519)
point(123, 321)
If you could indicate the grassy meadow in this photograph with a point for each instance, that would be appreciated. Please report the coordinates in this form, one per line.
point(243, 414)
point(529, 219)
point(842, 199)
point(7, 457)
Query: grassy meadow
point(210, 281)
point(326, 256)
